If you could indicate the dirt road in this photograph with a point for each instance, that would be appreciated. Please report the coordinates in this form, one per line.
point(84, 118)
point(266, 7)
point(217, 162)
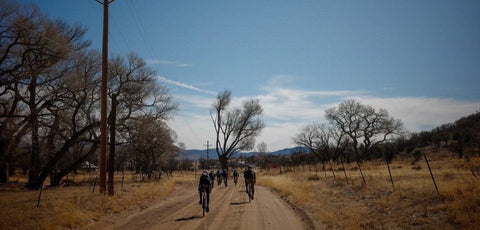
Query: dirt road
point(229, 209)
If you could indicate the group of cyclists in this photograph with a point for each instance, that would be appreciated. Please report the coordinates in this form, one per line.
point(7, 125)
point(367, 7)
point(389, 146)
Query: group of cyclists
point(207, 181)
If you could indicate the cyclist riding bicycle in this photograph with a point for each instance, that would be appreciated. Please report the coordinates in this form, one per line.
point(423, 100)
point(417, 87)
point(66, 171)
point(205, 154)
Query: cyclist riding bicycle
point(204, 183)
point(250, 178)
point(235, 176)
point(225, 177)
point(212, 177)
point(219, 176)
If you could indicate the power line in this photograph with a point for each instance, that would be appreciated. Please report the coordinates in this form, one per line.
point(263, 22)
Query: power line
point(114, 24)
point(141, 29)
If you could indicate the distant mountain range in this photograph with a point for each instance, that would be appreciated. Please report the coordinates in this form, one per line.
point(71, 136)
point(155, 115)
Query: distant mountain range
point(196, 154)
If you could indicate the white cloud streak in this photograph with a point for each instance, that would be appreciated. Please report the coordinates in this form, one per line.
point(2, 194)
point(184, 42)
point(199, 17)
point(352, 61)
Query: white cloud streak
point(166, 62)
point(186, 86)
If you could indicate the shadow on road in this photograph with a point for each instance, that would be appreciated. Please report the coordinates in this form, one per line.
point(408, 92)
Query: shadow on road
point(238, 203)
point(188, 218)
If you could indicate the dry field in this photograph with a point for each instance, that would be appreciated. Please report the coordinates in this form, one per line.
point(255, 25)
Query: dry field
point(331, 203)
point(76, 205)
point(413, 203)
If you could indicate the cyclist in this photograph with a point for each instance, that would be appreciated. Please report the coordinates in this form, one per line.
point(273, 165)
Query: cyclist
point(250, 178)
point(204, 183)
point(219, 176)
point(212, 177)
point(235, 176)
point(225, 177)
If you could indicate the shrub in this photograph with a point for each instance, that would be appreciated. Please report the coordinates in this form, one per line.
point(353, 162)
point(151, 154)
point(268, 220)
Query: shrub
point(417, 154)
point(416, 167)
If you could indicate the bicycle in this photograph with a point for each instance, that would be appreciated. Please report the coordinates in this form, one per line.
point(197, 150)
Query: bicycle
point(225, 181)
point(219, 181)
point(204, 200)
point(235, 180)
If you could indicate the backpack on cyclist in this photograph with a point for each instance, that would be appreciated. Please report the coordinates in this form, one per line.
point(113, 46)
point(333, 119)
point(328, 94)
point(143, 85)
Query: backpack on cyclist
point(249, 174)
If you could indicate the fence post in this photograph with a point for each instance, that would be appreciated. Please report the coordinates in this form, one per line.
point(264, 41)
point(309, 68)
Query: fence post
point(389, 172)
point(39, 195)
point(361, 173)
point(431, 174)
point(123, 178)
point(344, 170)
point(94, 183)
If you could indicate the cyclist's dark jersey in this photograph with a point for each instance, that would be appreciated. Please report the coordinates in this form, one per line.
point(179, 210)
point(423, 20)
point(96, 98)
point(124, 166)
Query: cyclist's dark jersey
point(205, 182)
point(249, 174)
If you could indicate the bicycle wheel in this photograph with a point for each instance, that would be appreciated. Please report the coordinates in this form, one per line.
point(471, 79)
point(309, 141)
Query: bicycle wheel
point(249, 193)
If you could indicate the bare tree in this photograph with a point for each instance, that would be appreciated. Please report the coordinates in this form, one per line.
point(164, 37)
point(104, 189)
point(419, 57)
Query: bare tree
point(49, 93)
point(73, 122)
point(363, 125)
point(152, 143)
point(137, 93)
point(34, 47)
point(262, 152)
point(235, 128)
point(262, 148)
point(319, 140)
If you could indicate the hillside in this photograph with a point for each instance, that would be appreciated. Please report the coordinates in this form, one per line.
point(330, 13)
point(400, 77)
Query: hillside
point(196, 154)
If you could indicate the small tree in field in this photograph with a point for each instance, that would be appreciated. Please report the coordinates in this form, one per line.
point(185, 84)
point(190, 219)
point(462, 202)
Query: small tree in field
point(261, 152)
point(365, 126)
point(235, 128)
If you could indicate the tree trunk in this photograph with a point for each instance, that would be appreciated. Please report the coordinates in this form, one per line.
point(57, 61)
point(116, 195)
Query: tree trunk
point(224, 162)
point(34, 172)
point(4, 172)
point(57, 177)
point(38, 180)
point(3, 163)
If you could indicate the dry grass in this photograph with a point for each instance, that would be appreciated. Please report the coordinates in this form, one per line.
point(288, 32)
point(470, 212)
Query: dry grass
point(412, 204)
point(286, 185)
point(73, 206)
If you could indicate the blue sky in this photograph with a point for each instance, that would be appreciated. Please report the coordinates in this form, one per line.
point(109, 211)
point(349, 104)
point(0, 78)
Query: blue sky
point(420, 60)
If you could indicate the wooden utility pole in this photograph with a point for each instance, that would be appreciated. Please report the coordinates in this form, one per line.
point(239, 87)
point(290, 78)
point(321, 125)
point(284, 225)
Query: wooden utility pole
point(111, 155)
point(208, 162)
point(104, 102)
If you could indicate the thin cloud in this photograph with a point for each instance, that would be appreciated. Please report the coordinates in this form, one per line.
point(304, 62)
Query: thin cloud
point(387, 88)
point(292, 104)
point(420, 112)
point(286, 110)
point(167, 62)
point(186, 86)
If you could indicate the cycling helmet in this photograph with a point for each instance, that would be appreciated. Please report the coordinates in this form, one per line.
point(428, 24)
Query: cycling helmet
point(205, 173)
point(249, 167)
